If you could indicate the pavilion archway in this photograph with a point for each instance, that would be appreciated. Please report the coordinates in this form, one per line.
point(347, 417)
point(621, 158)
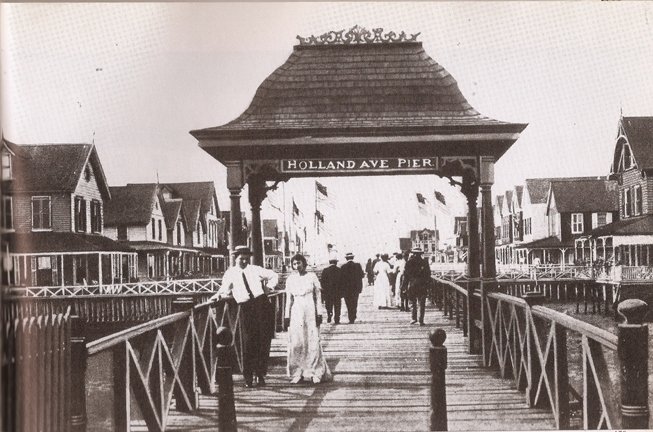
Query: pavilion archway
point(362, 102)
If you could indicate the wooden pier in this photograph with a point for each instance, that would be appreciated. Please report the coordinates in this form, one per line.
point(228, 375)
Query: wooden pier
point(381, 382)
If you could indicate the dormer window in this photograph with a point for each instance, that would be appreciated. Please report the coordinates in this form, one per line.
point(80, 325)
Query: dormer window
point(628, 157)
point(87, 173)
point(6, 166)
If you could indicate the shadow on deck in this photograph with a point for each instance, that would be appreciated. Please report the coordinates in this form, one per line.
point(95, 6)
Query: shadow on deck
point(381, 382)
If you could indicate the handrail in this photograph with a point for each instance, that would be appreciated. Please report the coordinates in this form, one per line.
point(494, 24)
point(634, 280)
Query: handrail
point(604, 337)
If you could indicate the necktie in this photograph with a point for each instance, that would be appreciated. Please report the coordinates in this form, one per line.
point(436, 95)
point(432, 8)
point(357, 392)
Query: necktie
point(249, 291)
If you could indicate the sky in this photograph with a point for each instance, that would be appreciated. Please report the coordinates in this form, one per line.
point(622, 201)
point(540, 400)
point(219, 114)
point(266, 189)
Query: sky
point(135, 78)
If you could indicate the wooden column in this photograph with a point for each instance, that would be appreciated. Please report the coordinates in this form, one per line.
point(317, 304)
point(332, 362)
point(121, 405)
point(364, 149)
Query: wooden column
point(488, 256)
point(235, 186)
point(257, 192)
point(469, 188)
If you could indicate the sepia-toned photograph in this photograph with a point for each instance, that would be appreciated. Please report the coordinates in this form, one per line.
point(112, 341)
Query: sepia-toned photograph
point(326, 216)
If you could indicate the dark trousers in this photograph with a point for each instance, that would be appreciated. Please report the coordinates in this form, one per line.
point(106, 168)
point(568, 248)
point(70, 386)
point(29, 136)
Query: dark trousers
point(351, 301)
point(422, 305)
point(333, 305)
point(257, 321)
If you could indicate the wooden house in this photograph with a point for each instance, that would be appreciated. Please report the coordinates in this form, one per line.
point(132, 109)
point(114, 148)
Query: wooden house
point(54, 198)
point(628, 240)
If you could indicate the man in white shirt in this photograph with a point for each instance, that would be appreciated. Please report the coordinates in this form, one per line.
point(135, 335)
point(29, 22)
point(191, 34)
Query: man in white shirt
point(245, 283)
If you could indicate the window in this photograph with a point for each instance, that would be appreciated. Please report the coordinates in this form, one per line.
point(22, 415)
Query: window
point(627, 203)
point(637, 200)
point(160, 230)
point(6, 166)
point(7, 213)
point(576, 223)
point(527, 226)
point(179, 228)
point(153, 229)
point(601, 219)
point(96, 216)
point(122, 233)
point(80, 214)
point(87, 173)
point(41, 213)
point(199, 234)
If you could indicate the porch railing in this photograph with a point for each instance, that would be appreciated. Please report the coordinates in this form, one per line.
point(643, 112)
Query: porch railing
point(173, 286)
point(588, 377)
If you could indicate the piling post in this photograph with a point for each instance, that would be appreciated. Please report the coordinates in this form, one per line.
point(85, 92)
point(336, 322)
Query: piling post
point(632, 349)
point(78, 364)
point(226, 405)
point(438, 359)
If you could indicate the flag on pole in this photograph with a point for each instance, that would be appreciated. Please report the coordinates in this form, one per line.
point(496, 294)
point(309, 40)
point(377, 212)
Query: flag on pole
point(440, 197)
point(420, 198)
point(421, 204)
point(321, 188)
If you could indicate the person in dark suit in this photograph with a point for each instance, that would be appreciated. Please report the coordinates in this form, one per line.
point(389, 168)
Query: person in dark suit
point(417, 275)
point(331, 292)
point(351, 277)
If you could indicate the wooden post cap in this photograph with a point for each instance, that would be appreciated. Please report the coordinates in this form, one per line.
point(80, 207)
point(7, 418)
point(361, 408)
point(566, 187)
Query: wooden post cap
point(224, 336)
point(533, 298)
point(437, 337)
point(633, 311)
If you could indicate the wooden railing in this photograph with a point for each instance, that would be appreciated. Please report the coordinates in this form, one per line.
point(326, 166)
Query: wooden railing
point(168, 358)
point(173, 286)
point(36, 366)
point(588, 377)
point(100, 309)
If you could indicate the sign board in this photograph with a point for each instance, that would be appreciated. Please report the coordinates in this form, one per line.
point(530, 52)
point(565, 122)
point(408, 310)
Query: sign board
point(359, 165)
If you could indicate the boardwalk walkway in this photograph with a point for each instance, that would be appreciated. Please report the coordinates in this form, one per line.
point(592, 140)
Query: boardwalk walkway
point(381, 382)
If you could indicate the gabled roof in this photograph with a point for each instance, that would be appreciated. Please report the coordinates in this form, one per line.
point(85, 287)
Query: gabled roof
point(53, 168)
point(130, 205)
point(508, 200)
point(586, 195)
point(639, 132)
point(538, 189)
point(640, 225)
point(191, 210)
point(519, 192)
point(171, 212)
point(50, 241)
point(204, 191)
point(270, 228)
point(499, 205)
point(552, 242)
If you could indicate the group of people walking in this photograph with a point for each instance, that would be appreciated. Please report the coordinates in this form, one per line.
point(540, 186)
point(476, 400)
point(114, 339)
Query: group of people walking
point(249, 285)
point(399, 280)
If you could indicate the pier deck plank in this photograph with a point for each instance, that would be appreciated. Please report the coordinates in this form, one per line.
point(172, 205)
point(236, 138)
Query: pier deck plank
point(381, 382)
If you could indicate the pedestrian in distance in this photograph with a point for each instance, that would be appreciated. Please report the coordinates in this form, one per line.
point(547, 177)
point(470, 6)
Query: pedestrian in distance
point(417, 276)
point(305, 357)
point(351, 277)
point(398, 271)
point(369, 270)
point(382, 288)
point(331, 290)
point(247, 284)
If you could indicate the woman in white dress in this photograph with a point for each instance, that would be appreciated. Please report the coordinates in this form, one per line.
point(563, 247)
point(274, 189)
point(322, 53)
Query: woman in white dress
point(382, 289)
point(399, 270)
point(305, 357)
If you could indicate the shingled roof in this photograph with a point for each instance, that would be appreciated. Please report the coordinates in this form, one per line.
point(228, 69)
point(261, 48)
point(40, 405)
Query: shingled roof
point(130, 205)
point(640, 225)
point(639, 132)
point(44, 242)
point(585, 195)
point(171, 212)
point(204, 191)
point(336, 89)
point(53, 168)
point(191, 210)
